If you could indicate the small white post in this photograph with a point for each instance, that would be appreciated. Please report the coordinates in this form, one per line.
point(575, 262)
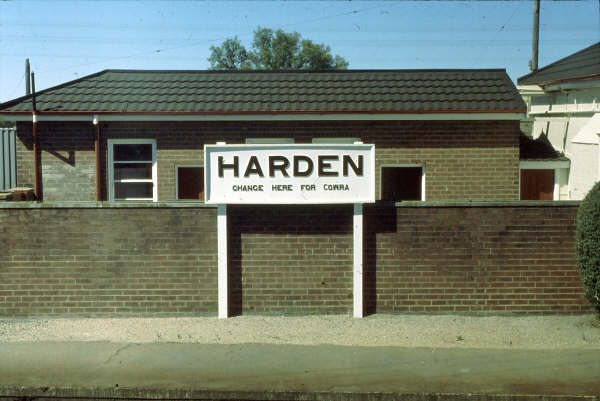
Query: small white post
point(556, 194)
point(222, 253)
point(358, 261)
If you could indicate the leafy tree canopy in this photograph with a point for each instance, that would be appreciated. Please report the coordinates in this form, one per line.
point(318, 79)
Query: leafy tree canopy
point(274, 50)
point(588, 244)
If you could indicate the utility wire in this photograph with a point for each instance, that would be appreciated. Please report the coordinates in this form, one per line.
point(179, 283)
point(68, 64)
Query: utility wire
point(204, 42)
point(486, 48)
point(10, 96)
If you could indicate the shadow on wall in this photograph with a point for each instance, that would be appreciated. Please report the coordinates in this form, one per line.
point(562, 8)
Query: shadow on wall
point(299, 259)
point(290, 259)
point(382, 221)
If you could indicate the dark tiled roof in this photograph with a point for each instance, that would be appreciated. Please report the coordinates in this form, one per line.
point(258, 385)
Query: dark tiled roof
point(538, 149)
point(583, 64)
point(359, 91)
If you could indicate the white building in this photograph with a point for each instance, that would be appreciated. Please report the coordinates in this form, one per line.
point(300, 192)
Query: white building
point(563, 99)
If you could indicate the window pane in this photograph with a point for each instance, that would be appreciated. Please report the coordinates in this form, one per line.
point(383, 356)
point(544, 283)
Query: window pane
point(124, 190)
point(401, 183)
point(138, 171)
point(190, 183)
point(133, 152)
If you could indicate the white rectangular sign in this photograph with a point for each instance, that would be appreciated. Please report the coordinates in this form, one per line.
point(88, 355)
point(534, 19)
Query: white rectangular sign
point(289, 173)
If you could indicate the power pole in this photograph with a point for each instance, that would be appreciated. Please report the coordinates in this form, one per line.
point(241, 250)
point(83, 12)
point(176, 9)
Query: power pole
point(533, 63)
point(27, 78)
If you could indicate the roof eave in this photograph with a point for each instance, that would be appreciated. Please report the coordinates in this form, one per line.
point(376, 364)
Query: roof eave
point(511, 114)
point(545, 84)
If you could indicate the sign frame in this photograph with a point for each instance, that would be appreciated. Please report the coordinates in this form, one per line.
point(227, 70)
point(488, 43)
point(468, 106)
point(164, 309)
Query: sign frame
point(330, 161)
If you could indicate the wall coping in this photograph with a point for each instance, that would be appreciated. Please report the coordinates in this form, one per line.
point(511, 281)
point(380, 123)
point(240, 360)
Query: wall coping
point(563, 203)
point(104, 205)
point(196, 205)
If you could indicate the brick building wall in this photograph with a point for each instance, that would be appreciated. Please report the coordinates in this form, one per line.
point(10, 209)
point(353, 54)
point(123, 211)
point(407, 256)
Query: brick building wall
point(464, 160)
point(146, 260)
point(68, 161)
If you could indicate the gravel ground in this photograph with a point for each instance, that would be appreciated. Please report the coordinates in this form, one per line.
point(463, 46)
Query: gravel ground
point(438, 331)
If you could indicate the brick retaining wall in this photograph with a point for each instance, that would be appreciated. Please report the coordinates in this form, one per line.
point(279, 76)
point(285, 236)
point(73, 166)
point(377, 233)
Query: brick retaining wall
point(104, 261)
point(87, 260)
point(292, 259)
point(472, 259)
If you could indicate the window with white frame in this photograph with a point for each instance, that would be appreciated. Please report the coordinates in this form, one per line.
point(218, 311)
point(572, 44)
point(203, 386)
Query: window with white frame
point(402, 182)
point(132, 170)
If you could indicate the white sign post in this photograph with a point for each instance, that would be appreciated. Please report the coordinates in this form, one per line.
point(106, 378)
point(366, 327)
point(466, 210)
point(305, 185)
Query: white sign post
point(290, 174)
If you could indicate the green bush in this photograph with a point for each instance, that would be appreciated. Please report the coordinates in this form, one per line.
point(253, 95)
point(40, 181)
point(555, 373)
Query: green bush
point(588, 244)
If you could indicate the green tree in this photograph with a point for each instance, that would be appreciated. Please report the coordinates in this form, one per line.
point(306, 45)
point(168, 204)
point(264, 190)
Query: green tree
point(231, 55)
point(274, 50)
point(588, 244)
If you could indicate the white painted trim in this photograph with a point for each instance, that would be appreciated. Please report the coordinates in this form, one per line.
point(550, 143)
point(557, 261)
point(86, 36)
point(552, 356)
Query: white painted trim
point(423, 174)
point(556, 193)
point(565, 112)
point(110, 169)
point(529, 90)
point(222, 255)
point(358, 276)
point(273, 117)
point(337, 141)
point(592, 83)
point(543, 165)
point(177, 166)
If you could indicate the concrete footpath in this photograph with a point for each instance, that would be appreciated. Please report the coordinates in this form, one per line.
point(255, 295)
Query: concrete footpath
point(49, 370)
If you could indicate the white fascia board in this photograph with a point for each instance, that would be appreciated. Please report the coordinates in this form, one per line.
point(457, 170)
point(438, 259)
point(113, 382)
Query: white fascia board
point(543, 164)
point(565, 112)
point(530, 90)
point(594, 83)
point(270, 117)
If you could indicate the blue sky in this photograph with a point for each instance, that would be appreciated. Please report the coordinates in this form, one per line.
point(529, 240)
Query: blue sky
point(68, 40)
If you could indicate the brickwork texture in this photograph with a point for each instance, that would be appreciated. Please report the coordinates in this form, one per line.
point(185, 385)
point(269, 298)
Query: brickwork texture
point(152, 261)
point(99, 262)
point(463, 160)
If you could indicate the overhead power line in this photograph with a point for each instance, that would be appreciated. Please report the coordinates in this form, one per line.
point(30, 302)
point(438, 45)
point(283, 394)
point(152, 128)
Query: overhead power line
point(209, 41)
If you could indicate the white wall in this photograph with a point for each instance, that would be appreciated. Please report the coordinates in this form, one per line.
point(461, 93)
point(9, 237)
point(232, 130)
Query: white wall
point(562, 114)
point(584, 169)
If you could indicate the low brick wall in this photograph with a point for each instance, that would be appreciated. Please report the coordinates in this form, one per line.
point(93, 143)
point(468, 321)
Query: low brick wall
point(291, 259)
point(91, 259)
point(500, 258)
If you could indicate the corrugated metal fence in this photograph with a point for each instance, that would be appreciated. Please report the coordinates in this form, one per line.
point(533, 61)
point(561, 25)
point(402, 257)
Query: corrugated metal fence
point(8, 162)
